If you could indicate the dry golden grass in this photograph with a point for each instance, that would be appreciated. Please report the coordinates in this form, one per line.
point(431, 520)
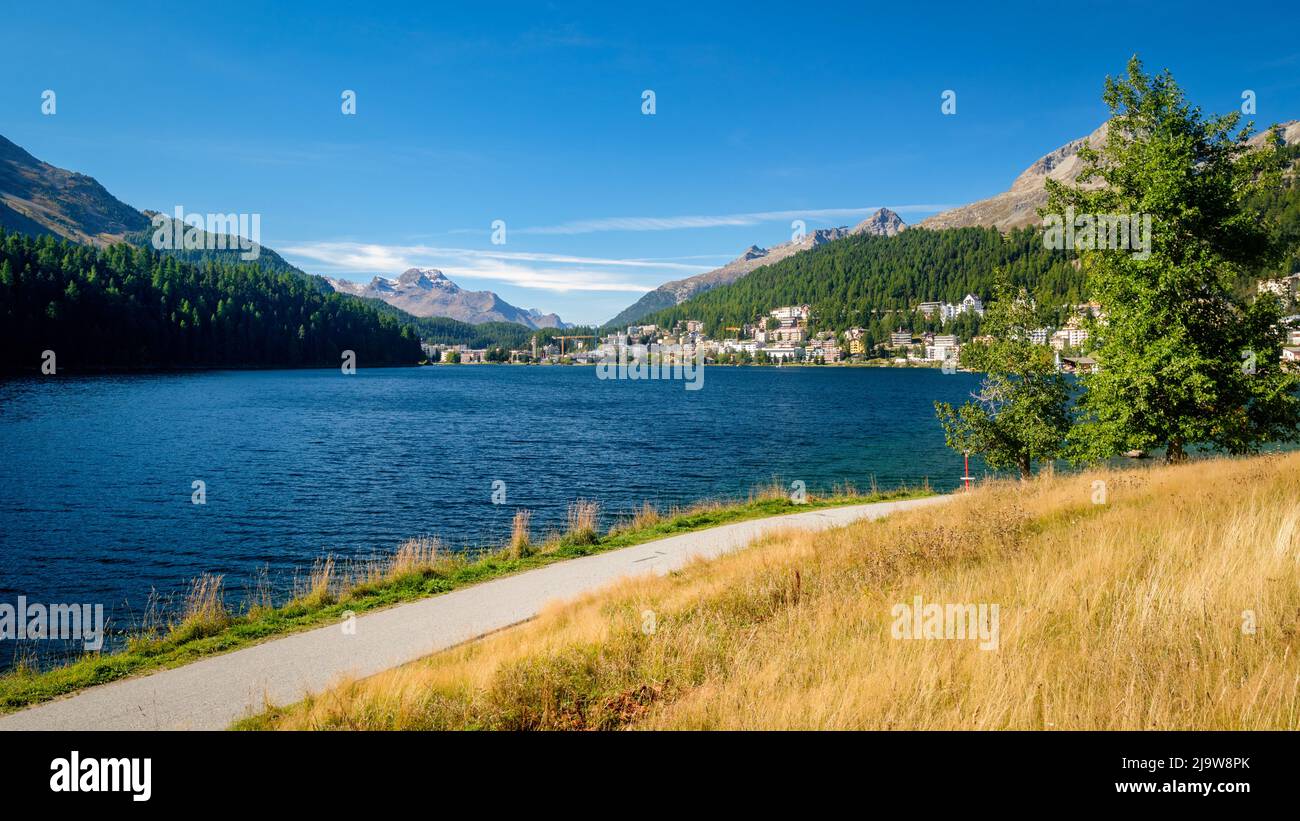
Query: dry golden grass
point(646, 516)
point(520, 538)
point(203, 612)
point(582, 521)
point(1130, 614)
point(329, 582)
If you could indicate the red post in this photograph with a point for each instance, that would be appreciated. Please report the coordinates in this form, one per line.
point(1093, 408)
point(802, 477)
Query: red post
point(966, 479)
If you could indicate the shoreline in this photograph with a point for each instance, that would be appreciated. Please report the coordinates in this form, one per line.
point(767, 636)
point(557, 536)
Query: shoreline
point(420, 569)
point(34, 373)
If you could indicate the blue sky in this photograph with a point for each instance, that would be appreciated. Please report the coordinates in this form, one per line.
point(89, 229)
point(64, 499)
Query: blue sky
point(532, 114)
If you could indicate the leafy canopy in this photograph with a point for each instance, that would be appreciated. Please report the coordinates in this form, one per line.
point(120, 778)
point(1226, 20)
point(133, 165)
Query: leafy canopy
point(1187, 358)
point(1021, 412)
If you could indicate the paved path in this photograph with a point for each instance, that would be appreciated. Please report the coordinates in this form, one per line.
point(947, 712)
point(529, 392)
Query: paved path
point(212, 693)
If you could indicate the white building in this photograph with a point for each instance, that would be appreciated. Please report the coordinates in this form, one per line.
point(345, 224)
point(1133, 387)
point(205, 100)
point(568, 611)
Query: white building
point(792, 313)
point(1069, 338)
point(783, 353)
point(939, 353)
point(748, 346)
point(969, 304)
point(1284, 288)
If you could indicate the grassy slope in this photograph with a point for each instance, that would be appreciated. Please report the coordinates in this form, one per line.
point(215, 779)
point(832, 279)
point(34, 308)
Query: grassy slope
point(1123, 615)
point(415, 572)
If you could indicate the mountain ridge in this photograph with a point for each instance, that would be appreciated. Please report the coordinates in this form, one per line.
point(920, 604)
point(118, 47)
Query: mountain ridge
point(427, 292)
point(1017, 207)
point(41, 199)
point(36, 197)
point(883, 222)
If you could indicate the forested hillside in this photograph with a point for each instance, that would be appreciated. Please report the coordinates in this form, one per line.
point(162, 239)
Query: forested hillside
point(1283, 205)
point(231, 253)
point(876, 281)
point(131, 307)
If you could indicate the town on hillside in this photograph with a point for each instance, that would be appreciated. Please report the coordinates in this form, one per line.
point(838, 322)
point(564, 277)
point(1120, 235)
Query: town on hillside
point(783, 336)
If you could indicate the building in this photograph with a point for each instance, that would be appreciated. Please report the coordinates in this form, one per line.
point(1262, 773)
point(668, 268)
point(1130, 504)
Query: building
point(944, 340)
point(792, 313)
point(1284, 288)
point(900, 339)
point(969, 304)
point(467, 355)
point(1039, 336)
point(748, 346)
point(783, 353)
point(1078, 364)
point(791, 335)
point(1068, 338)
point(824, 348)
point(941, 353)
point(930, 309)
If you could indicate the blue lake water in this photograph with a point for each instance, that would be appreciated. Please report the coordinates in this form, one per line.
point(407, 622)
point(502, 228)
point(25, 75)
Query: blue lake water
point(97, 472)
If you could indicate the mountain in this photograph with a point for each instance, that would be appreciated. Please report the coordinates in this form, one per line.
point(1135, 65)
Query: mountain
point(1018, 207)
point(266, 259)
point(876, 282)
point(427, 292)
point(883, 223)
point(38, 198)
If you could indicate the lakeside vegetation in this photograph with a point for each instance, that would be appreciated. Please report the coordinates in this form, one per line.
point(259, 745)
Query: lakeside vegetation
point(1184, 358)
point(205, 625)
point(876, 282)
point(1166, 603)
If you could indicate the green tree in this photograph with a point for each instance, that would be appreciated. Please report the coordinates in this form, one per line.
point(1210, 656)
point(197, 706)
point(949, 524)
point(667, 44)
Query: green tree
point(1185, 359)
point(1021, 412)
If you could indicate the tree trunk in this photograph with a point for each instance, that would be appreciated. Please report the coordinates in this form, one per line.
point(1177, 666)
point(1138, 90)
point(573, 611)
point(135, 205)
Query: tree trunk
point(1026, 467)
point(1174, 452)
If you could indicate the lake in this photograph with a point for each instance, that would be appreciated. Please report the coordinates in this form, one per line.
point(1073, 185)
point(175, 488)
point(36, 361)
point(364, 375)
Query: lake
point(98, 471)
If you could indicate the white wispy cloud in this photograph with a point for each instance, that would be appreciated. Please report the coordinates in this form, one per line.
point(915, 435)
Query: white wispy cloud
point(589, 226)
point(549, 272)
